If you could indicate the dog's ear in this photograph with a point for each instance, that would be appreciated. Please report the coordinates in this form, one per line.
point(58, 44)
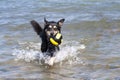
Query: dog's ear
point(45, 21)
point(38, 29)
point(60, 22)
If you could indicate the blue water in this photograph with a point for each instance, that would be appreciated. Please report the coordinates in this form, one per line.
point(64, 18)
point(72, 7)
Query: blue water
point(17, 12)
point(92, 23)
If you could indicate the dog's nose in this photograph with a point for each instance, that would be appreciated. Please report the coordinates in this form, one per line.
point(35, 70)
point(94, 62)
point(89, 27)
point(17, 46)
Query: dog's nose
point(52, 34)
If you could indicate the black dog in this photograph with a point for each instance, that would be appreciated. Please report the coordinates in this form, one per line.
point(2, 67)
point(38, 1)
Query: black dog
point(48, 35)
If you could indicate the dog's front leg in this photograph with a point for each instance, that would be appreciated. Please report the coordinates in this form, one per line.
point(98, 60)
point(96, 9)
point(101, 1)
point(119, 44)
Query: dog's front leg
point(38, 29)
point(51, 61)
point(44, 47)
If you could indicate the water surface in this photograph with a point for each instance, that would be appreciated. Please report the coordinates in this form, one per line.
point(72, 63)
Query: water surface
point(93, 23)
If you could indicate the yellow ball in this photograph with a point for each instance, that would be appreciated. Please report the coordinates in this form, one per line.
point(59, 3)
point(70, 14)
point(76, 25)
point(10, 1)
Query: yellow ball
point(56, 40)
point(53, 42)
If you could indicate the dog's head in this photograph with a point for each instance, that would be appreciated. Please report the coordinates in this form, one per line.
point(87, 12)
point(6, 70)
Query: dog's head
point(52, 28)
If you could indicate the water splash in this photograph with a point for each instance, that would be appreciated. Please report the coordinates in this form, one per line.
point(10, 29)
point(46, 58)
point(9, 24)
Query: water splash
point(29, 52)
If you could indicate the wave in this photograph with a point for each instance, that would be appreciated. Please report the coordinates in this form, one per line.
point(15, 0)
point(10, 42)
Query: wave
point(30, 52)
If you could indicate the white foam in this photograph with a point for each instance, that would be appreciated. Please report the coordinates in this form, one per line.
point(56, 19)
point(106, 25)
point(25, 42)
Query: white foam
point(30, 53)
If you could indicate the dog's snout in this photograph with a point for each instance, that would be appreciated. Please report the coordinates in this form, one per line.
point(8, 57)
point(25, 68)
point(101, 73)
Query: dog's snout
point(52, 33)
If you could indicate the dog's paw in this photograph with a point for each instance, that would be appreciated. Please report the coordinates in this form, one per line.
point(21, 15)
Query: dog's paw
point(51, 61)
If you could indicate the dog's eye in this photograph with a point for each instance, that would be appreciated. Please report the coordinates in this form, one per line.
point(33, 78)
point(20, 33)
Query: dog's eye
point(55, 29)
point(49, 29)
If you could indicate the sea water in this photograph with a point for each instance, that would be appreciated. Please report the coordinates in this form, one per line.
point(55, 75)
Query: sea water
point(91, 39)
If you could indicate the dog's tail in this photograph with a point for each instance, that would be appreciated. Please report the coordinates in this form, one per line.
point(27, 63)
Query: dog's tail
point(38, 29)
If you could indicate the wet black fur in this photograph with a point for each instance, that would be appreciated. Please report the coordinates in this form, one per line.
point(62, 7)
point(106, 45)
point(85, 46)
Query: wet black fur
point(46, 46)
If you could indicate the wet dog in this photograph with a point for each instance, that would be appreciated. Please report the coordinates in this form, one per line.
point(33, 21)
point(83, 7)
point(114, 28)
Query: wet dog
point(50, 36)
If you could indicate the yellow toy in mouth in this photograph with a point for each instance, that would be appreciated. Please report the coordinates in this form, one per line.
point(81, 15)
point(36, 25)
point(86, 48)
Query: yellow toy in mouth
point(53, 42)
point(56, 40)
